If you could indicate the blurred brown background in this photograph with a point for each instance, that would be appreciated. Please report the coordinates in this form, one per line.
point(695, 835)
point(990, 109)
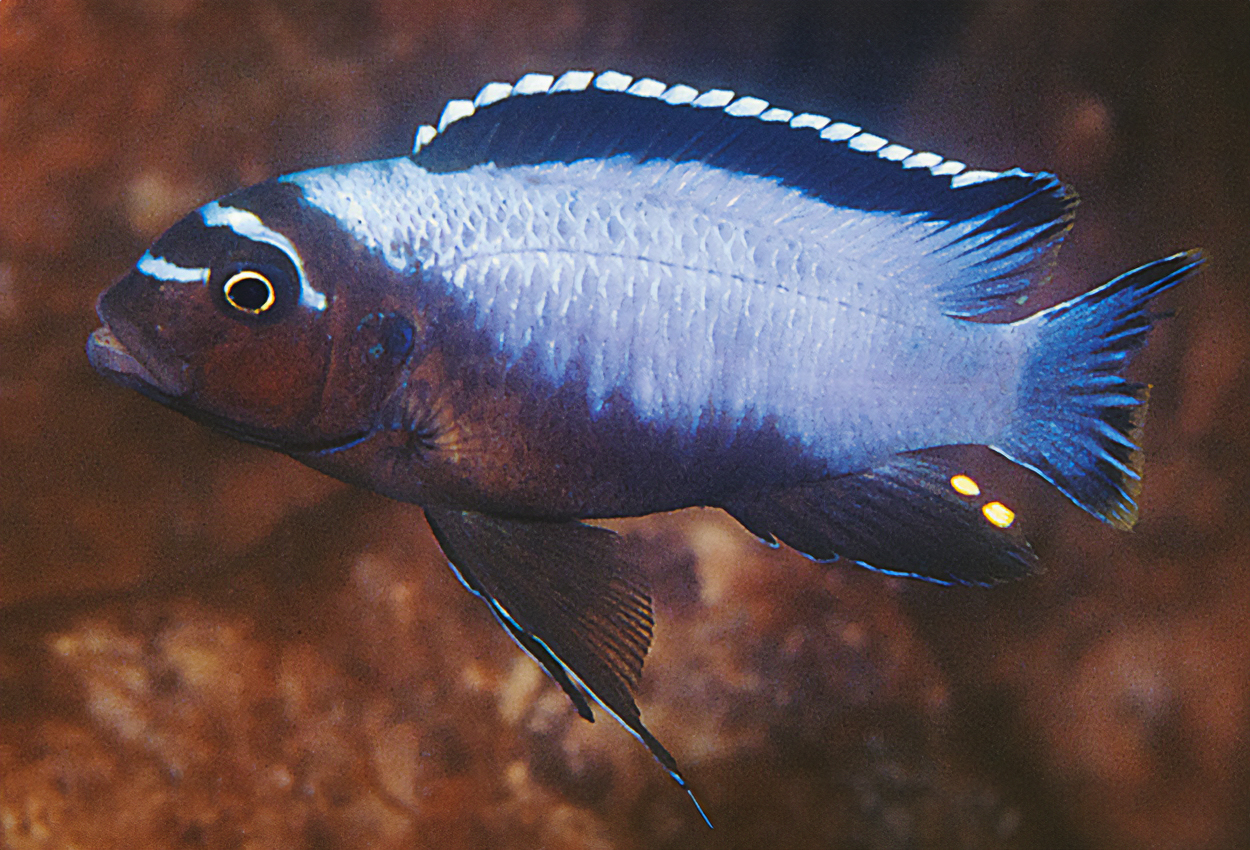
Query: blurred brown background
point(206, 645)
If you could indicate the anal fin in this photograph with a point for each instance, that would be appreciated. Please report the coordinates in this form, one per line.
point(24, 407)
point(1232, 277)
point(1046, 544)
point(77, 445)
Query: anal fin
point(570, 598)
point(918, 515)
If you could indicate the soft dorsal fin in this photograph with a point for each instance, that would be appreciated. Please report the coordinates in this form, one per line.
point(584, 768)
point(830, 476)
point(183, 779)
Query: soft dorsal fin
point(1001, 227)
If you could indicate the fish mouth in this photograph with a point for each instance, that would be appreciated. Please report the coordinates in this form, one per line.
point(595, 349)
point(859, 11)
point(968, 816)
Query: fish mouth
point(110, 357)
point(164, 382)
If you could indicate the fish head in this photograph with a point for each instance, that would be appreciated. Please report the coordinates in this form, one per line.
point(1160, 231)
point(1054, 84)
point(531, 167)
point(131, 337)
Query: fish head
point(254, 315)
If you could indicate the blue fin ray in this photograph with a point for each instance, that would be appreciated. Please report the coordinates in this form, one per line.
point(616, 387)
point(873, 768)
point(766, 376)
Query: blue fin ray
point(1078, 419)
point(1001, 258)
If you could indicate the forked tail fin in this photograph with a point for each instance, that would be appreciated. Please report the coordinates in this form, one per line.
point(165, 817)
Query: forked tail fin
point(1078, 419)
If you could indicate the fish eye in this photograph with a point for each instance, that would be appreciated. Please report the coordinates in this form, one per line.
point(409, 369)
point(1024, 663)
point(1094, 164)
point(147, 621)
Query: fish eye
point(249, 291)
point(254, 291)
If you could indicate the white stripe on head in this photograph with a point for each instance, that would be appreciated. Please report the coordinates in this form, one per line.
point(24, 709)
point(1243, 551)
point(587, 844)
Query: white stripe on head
point(248, 225)
point(162, 269)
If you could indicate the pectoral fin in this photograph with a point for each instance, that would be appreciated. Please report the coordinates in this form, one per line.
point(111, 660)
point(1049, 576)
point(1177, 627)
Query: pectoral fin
point(568, 595)
point(915, 515)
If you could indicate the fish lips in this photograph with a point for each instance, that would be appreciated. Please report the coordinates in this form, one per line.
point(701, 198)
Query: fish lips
point(123, 351)
point(160, 378)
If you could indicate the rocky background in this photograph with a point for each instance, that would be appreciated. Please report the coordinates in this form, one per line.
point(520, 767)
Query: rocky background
point(206, 645)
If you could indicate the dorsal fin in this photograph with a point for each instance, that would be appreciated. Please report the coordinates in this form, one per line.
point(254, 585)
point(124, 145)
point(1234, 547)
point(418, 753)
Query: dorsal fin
point(1005, 225)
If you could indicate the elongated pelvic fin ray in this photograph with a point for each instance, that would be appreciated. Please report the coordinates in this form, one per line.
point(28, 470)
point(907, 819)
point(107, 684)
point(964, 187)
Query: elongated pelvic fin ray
point(570, 598)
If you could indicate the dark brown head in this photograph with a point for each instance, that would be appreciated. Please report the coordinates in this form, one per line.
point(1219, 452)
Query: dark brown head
point(257, 315)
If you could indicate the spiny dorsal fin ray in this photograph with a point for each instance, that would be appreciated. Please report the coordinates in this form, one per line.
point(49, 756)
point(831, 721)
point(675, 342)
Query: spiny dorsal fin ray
point(569, 596)
point(1000, 231)
point(917, 515)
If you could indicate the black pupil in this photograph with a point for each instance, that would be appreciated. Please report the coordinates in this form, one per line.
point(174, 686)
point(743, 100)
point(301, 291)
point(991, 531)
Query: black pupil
point(250, 293)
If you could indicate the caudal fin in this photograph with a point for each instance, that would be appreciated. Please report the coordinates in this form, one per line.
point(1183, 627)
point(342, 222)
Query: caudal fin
point(1078, 419)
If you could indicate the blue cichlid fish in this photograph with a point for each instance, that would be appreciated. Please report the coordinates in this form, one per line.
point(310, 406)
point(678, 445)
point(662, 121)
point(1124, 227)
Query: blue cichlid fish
point(595, 296)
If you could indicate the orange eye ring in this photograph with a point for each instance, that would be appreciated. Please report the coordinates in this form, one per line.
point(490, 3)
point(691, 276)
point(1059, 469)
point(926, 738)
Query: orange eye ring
point(249, 291)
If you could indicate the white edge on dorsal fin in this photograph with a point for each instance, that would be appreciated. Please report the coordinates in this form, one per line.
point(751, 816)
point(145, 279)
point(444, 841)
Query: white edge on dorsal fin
point(851, 135)
point(713, 99)
point(866, 143)
point(613, 81)
point(922, 160)
point(894, 153)
point(746, 107)
point(492, 93)
point(572, 81)
point(839, 131)
point(679, 95)
point(807, 119)
point(454, 111)
point(425, 134)
point(533, 84)
point(646, 87)
point(968, 178)
point(949, 168)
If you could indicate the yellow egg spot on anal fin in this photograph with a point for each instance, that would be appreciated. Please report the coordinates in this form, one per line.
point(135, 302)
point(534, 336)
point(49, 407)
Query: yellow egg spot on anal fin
point(964, 485)
point(998, 513)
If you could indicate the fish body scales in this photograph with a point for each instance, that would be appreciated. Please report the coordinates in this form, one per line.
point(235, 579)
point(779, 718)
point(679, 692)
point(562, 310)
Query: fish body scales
point(699, 297)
